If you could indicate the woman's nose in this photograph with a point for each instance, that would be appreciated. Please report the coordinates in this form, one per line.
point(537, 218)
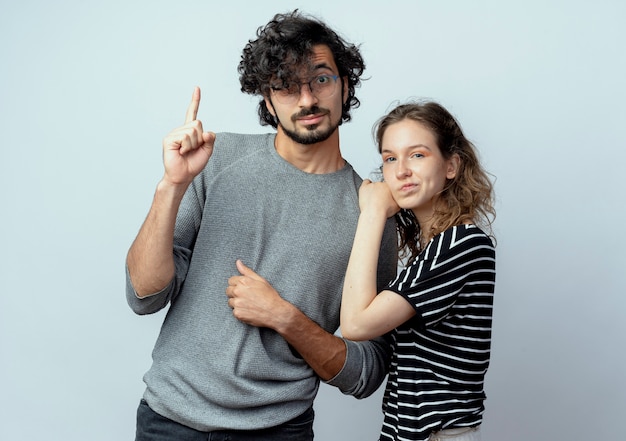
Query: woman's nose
point(402, 170)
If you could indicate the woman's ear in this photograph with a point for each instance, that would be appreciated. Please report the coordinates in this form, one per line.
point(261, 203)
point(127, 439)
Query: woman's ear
point(454, 163)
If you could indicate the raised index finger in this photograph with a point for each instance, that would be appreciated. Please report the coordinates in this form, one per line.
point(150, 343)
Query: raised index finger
point(192, 110)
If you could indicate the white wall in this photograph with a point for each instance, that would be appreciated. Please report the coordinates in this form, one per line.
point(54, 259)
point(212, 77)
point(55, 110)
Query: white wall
point(88, 89)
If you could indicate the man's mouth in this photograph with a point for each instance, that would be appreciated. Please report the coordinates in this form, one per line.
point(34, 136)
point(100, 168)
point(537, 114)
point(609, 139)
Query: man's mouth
point(310, 116)
point(311, 119)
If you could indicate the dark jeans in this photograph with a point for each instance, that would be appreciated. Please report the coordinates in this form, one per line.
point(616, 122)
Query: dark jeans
point(153, 427)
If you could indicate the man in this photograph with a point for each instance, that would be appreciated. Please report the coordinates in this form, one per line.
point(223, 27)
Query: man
point(261, 228)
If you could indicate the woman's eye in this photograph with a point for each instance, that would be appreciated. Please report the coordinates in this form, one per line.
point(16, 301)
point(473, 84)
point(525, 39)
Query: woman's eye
point(389, 159)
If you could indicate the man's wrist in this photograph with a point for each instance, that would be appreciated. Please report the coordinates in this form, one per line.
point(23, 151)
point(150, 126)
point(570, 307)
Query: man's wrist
point(287, 320)
point(167, 189)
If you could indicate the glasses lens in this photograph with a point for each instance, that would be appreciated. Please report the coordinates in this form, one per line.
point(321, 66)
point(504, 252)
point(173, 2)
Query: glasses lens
point(322, 86)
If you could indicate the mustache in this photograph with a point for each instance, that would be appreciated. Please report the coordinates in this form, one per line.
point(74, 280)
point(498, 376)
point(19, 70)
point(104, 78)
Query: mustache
point(309, 111)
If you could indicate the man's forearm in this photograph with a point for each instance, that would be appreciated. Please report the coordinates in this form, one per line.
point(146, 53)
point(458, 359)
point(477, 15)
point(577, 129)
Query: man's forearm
point(323, 351)
point(327, 354)
point(150, 259)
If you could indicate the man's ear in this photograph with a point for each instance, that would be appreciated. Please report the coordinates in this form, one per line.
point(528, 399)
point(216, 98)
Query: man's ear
point(270, 107)
point(345, 89)
point(454, 163)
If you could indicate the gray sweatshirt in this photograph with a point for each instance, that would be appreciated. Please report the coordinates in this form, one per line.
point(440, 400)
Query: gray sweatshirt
point(211, 371)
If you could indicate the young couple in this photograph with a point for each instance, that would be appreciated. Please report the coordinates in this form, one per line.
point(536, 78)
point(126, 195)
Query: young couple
point(261, 244)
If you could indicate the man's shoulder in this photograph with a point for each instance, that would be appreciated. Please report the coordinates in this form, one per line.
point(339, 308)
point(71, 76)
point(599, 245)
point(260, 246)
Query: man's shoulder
point(231, 146)
point(243, 139)
point(358, 180)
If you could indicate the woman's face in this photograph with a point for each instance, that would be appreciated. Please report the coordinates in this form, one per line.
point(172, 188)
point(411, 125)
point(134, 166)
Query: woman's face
point(414, 168)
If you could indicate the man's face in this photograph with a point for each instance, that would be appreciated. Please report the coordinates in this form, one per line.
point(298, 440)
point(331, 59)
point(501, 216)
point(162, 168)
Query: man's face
point(305, 113)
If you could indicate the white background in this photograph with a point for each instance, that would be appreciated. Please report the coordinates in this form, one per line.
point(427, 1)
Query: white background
point(88, 89)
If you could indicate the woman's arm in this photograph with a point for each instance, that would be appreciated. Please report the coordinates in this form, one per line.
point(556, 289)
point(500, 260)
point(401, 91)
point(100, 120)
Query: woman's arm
point(364, 314)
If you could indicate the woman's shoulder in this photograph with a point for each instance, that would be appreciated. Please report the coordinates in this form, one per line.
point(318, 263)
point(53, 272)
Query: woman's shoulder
point(459, 237)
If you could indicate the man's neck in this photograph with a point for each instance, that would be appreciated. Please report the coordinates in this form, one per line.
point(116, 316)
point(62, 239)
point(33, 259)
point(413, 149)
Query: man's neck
point(320, 158)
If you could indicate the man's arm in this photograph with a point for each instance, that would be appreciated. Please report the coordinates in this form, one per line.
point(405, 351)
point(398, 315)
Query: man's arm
point(150, 260)
point(186, 150)
point(355, 368)
point(323, 351)
point(255, 302)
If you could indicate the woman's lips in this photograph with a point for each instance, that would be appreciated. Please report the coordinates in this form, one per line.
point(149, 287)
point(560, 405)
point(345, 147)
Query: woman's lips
point(408, 187)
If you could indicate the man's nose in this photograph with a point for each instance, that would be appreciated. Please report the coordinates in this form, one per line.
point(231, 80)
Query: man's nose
point(307, 96)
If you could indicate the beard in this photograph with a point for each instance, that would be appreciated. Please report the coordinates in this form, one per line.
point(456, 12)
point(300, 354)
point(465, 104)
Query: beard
point(312, 134)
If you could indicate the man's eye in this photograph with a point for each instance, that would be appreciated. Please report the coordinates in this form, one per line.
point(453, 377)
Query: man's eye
point(323, 79)
point(287, 89)
point(291, 88)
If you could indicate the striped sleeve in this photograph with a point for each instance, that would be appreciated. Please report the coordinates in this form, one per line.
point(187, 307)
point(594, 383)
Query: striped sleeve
point(452, 262)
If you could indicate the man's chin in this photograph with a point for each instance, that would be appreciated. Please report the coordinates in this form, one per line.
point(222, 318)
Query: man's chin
point(314, 135)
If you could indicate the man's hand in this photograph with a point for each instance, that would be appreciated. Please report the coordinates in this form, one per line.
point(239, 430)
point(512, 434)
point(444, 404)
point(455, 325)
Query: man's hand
point(254, 301)
point(187, 149)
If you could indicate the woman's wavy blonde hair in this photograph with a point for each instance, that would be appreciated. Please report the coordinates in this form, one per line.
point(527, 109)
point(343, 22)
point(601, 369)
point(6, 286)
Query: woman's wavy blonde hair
point(467, 198)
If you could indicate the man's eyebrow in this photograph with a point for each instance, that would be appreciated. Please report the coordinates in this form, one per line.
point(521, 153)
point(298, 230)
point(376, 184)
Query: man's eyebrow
point(322, 66)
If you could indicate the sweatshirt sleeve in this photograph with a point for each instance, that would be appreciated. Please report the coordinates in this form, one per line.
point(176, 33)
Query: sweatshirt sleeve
point(388, 257)
point(366, 366)
point(188, 221)
point(159, 300)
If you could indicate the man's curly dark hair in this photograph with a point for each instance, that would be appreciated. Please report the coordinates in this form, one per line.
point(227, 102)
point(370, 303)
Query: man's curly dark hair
point(286, 43)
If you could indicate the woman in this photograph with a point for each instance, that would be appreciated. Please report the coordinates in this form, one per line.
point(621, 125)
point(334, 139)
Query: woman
point(438, 310)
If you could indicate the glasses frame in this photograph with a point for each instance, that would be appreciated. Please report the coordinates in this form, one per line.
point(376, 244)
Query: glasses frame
point(283, 95)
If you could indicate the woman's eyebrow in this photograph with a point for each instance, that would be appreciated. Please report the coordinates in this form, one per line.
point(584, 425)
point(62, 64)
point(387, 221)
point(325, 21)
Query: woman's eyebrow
point(414, 146)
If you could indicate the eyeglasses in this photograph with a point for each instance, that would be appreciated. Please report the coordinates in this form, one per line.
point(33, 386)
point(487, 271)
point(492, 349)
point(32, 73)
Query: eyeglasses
point(322, 86)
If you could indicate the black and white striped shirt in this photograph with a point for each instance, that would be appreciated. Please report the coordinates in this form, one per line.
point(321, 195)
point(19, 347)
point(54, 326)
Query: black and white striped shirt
point(441, 355)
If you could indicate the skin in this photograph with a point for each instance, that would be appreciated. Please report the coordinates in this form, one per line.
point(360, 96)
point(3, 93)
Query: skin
point(186, 151)
point(414, 173)
point(320, 157)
